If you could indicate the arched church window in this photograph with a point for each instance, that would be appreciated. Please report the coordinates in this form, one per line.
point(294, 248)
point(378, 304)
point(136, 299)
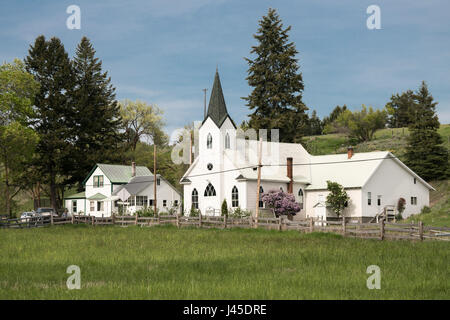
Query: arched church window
point(227, 141)
point(261, 203)
point(195, 199)
point(209, 141)
point(210, 191)
point(234, 197)
point(300, 198)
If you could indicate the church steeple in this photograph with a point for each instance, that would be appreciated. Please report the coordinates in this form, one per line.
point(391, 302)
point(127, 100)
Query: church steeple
point(217, 110)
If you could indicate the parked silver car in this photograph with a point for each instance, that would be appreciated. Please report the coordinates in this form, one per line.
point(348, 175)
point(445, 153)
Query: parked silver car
point(25, 216)
point(46, 212)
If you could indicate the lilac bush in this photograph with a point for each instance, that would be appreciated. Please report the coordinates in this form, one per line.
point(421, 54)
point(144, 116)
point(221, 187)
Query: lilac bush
point(281, 202)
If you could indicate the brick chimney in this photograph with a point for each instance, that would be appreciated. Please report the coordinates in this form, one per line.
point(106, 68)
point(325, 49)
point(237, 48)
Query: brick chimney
point(133, 169)
point(350, 152)
point(289, 175)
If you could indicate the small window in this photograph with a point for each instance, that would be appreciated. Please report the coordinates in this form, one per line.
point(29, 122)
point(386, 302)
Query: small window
point(151, 202)
point(415, 180)
point(235, 197)
point(74, 206)
point(131, 201)
point(92, 205)
point(141, 201)
point(210, 191)
point(99, 205)
point(195, 199)
point(164, 203)
point(227, 141)
point(175, 203)
point(369, 198)
point(209, 141)
point(261, 203)
point(158, 181)
point(414, 201)
point(379, 200)
point(98, 181)
point(300, 198)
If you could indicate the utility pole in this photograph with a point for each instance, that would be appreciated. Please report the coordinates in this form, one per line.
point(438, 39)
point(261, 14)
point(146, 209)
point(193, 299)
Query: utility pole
point(204, 103)
point(154, 177)
point(258, 183)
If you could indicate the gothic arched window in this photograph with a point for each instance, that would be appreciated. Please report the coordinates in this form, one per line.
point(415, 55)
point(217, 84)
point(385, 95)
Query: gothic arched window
point(234, 197)
point(227, 141)
point(300, 198)
point(261, 191)
point(195, 199)
point(209, 141)
point(210, 191)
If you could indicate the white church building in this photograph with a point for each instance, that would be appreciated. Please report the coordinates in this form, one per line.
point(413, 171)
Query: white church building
point(225, 167)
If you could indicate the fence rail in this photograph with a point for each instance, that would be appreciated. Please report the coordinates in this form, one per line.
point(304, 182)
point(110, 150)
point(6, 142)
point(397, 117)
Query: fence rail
point(382, 230)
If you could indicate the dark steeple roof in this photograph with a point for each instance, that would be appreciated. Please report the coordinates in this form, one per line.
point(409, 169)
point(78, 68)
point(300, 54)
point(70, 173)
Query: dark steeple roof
point(217, 110)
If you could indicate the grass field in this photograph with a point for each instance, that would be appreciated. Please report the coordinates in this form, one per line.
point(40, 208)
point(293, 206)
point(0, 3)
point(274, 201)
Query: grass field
point(170, 263)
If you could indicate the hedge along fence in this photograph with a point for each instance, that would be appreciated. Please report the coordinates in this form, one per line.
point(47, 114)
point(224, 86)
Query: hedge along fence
point(382, 230)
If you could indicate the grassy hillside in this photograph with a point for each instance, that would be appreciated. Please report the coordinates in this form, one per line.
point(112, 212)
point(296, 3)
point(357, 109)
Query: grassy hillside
point(171, 263)
point(393, 140)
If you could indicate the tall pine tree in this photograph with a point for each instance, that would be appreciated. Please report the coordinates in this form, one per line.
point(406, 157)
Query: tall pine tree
point(276, 99)
point(96, 122)
point(50, 65)
point(425, 153)
point(400, 109)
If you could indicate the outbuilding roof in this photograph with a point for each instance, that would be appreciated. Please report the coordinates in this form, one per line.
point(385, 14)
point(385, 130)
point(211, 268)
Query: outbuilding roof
point(119, 173)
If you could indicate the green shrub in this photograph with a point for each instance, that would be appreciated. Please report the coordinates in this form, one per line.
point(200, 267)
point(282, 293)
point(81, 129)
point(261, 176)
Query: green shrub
point(194, 212)
point(146, 212)
point(240, 213)
point(425, 209)
point(224, 208)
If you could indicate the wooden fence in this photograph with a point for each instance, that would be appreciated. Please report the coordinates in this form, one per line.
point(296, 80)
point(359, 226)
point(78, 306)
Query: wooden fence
point(382, 230)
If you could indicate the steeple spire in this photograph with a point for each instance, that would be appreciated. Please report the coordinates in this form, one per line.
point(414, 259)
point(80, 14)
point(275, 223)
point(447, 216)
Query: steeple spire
point(217, 110)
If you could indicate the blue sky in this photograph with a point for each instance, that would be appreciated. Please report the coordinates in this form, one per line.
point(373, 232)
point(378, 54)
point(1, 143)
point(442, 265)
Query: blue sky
point(166, 52)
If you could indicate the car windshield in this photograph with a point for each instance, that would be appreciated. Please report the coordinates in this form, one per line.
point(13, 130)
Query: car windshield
point(45, 210)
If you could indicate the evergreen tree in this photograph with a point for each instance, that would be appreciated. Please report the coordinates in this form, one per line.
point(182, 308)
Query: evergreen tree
point(425, 154)
point(276, 99)
point(96, 122)
point(314, 125)
point(50, 65)
point(400, 109)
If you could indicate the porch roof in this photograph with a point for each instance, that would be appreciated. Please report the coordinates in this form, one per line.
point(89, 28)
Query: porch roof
point(97, 196)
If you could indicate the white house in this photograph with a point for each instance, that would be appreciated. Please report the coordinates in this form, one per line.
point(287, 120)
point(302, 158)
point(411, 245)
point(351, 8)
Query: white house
point(111, 187)
point(226, 168)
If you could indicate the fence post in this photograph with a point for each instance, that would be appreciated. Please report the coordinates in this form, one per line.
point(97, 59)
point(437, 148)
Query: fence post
point(225, 221)
point(382, 229)
point(421, 230)
point(200, 220)
point(343, 226)
point(51, 218)
point(93, 220)
point(136, 220)
point(178, 221)
point(311, 225)
point(113, 218)
point(250, 220)
point(73, 217)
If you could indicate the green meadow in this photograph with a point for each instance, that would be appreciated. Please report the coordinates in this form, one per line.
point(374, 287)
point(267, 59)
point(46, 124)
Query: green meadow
point(170, 263)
